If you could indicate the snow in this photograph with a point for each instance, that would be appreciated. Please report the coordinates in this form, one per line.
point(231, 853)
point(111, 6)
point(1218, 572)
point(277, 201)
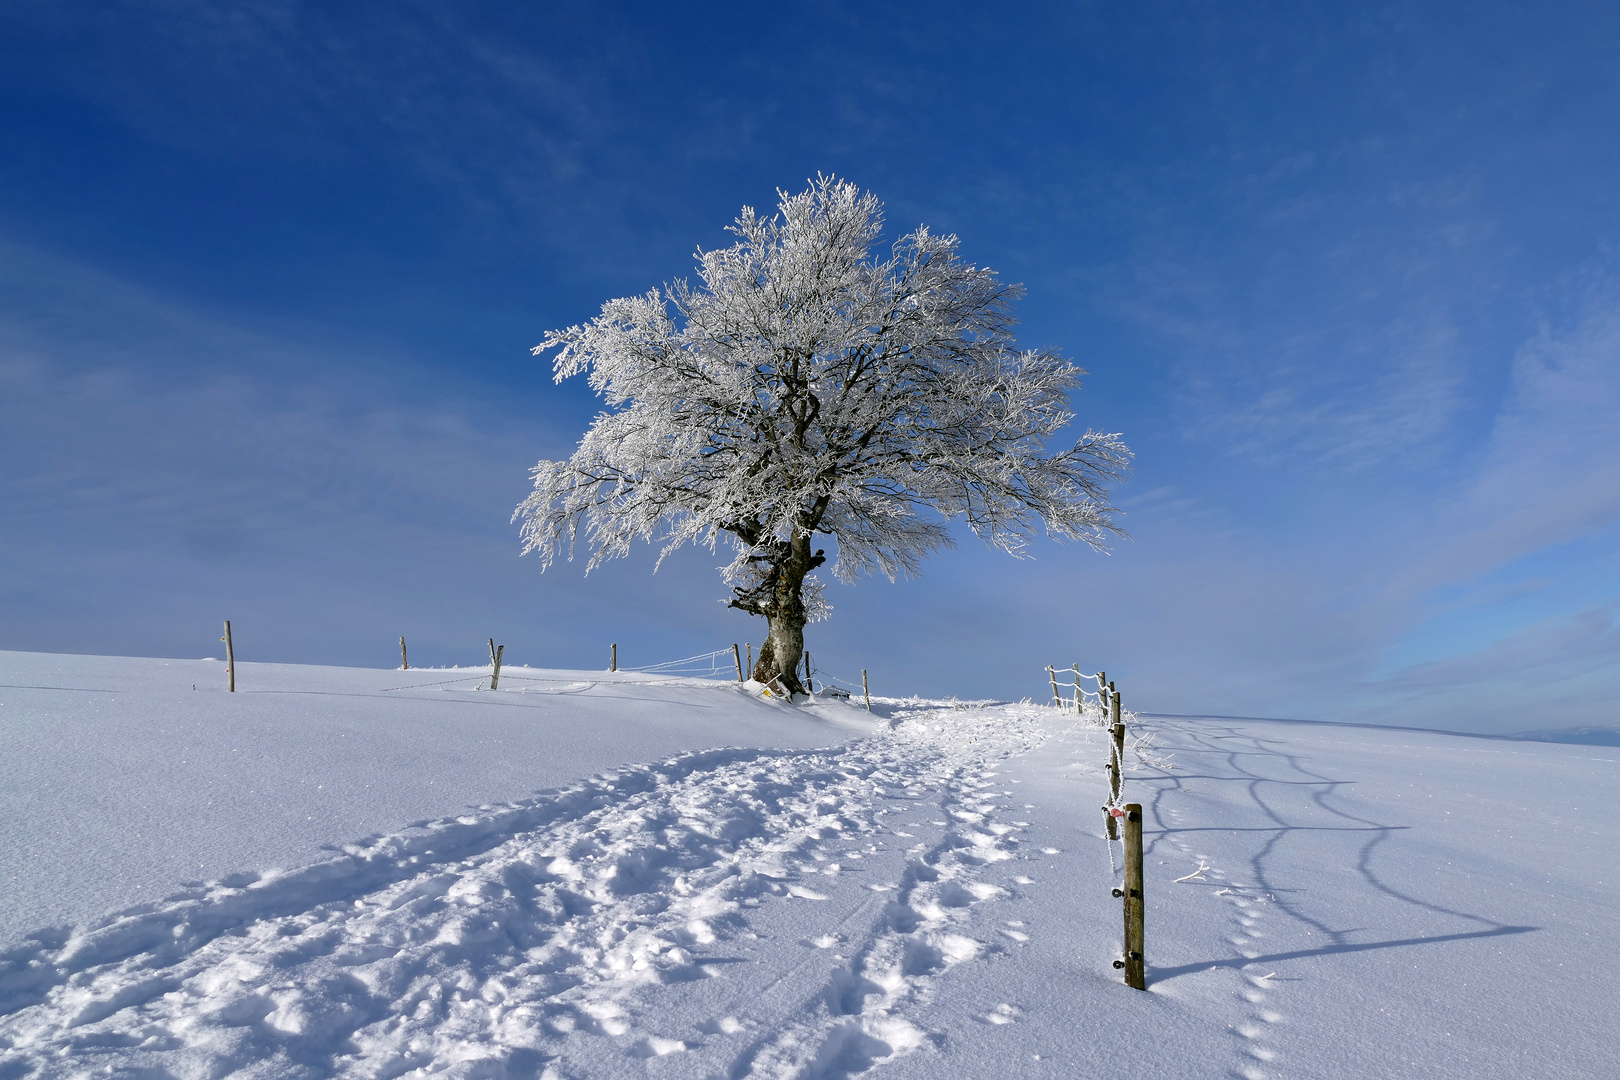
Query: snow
point(119, 783)
point(676, 878)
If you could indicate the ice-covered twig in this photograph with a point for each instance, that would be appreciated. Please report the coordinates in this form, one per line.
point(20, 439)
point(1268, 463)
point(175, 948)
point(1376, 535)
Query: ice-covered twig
point(1196, 875)
point(1147, 750)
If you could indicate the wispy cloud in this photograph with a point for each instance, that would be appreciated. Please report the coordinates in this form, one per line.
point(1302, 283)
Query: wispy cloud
point(1553, 673)
point(1550, 471)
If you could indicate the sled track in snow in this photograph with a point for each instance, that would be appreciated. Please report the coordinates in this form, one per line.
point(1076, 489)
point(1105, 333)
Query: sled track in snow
point(529, 940)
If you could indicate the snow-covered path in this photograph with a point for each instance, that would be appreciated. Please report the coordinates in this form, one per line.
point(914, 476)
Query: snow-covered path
point(514, 942)
point(1378, 903)
point(930, 901)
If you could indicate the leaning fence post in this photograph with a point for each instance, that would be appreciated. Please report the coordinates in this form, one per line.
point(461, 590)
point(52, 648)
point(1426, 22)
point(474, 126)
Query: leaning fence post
point(1050, 674)
point(613, 661)
point(404, 661)
point(736, 654)
point(495, 664)
point(865, 691)
point(1134, 962)
point(230, 659)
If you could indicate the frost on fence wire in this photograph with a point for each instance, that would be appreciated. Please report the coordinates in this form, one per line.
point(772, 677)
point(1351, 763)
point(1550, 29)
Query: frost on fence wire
point(709, 663)
point(1069, 695)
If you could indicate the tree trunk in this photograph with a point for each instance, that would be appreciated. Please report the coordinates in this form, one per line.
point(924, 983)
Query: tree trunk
point(783, 649)
point(779, 656)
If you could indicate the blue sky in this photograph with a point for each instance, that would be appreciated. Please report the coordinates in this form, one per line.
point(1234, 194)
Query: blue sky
point(1347, 279)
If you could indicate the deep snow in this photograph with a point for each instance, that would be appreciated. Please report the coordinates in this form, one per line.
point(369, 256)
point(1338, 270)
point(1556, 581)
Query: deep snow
point(927, 900)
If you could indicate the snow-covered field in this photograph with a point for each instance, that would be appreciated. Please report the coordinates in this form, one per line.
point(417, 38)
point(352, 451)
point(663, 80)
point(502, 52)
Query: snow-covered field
point(371, 873)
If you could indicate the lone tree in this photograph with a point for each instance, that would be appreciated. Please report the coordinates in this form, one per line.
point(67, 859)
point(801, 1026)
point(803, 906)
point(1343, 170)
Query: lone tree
point(808, 386)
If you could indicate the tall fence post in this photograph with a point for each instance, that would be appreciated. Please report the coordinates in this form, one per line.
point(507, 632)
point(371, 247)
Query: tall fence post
point(1050, 674)
point(736, 655)
point(404, 661)
point(495, 664)
point(1134, 962)
point(613, 661)
point(1116, 761)
point(230, 659)
point(1119, 761)
point(750, 648)
point(865, 691)
point(808, 684)
point(1079, 699)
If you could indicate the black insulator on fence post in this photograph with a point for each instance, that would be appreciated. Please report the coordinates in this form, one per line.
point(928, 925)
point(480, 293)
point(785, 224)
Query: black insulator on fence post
point(1135, 962)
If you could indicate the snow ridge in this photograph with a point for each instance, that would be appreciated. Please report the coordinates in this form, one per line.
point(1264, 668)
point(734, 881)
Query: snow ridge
point(539, 938)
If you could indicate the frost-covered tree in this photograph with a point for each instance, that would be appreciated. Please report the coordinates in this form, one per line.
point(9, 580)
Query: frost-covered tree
point(811, 386)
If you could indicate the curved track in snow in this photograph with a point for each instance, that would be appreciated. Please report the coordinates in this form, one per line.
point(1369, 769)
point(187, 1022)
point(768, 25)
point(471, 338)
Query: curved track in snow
point(643, 913)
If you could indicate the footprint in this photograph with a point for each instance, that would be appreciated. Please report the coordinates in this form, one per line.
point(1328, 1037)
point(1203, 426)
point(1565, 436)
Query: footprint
point(653, 1046)
point(726, 1025)
point(1003, 1014)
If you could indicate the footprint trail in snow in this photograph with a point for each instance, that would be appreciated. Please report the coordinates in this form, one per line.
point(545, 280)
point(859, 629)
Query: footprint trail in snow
point(760, 913)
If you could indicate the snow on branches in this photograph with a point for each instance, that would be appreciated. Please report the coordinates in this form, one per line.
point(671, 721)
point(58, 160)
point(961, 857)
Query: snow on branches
point(806, 386)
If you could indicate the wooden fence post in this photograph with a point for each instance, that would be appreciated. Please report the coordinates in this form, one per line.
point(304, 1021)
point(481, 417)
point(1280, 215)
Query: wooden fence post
point(613, 662)
point(1119, 760)
point(1116, 763)
point(736, 654)
point(866, 691)
point(808, 684)
point(495, 664)
point(1079, 700)
point(230, 659)
point(404, 661)
point(1113, 786)
point(750, 659)
point(1050, 674)
point(1134, 962)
